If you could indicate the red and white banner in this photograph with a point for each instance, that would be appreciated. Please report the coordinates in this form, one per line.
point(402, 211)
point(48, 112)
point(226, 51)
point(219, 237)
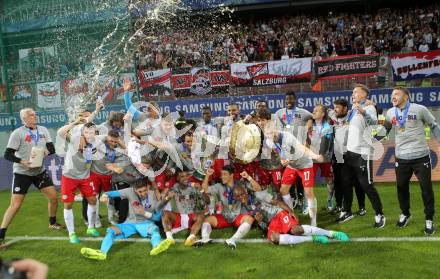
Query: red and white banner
point(155, 83)
point(272, 72)
point(199, 81)
point(416, 65)
point(49, 95)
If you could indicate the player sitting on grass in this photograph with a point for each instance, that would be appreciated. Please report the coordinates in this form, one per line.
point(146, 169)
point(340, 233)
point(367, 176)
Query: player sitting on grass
point(282, 225)
point(232, 210)
point(144, 209)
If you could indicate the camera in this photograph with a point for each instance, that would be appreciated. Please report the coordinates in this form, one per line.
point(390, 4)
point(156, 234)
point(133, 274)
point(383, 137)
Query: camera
point(9, 272)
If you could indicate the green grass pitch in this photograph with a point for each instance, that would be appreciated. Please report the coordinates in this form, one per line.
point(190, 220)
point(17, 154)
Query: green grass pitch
point(397, 259)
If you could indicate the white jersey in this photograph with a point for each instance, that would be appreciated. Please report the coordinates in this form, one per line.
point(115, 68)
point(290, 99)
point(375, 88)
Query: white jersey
point(359, 137)
point(410, 139)
point(321, 140)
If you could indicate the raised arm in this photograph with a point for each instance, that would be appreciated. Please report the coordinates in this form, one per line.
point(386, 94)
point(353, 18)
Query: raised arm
point(98, 108)
point(205, 182)
point(131, 109)
point(255, 185)
point(64, 132)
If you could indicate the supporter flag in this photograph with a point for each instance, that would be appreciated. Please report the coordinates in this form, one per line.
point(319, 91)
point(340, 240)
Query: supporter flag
point(155, 83)
point(199, 81)
point(49, 95)
point(272, 72)
point(416, 65)
point(347, 66)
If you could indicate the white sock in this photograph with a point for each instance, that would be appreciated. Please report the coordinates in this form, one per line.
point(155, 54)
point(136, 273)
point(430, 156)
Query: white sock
point(110, 211)
point(241, 231)
point(288, 239)
point(97, 207)
point(169, 235)
point(206, 230)
point(312, 204)
point(91, 215)
point(288, 200)
point(68, 219)
point(309, 230)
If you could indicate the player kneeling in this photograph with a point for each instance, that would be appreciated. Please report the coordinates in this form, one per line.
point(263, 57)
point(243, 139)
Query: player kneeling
point(188, 211)
point(281, 223)
point(144, 209)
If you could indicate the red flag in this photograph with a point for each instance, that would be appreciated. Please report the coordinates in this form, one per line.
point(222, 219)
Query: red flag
point(317, 86)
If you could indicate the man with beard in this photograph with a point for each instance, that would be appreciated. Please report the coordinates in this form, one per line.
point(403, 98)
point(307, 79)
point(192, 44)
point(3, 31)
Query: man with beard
point(412, 153)
point(270, 169)
point(339, 116)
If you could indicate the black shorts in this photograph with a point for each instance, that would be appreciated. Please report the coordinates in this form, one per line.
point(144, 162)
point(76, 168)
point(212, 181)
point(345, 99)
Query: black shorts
point(21, 182)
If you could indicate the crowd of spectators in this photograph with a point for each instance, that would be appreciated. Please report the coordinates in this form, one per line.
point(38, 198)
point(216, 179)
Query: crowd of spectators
point(385, 31)
point(272, 38)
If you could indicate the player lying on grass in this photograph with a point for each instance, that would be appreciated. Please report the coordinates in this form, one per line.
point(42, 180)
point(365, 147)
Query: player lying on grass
point(232, 214)
point(278, 219)
point(144, 210)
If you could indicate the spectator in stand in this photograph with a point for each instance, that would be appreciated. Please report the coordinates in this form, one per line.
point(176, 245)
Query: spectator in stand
point(188, 44)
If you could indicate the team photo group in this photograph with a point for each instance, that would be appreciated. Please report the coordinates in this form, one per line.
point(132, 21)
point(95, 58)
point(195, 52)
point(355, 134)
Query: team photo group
point(156, 174)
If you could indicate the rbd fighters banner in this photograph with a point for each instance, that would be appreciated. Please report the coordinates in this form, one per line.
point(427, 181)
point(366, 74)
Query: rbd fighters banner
point(155, 83)
point(272, 72)
point(346, 66)
point(49, 95)
point(200, 81)
point(416, 65)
